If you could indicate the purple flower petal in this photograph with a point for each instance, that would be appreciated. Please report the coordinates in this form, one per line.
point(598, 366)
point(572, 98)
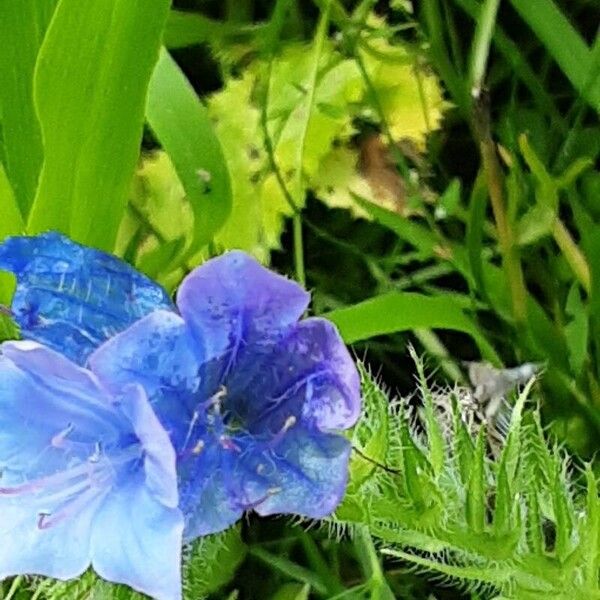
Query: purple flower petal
point(309, 374)
point(137, 541)
point(232, 301)
point(71, 457)
point(296, 471)
point(159, 455)
point(207, 480)
point(61, 551)
point(302, 473)
point(158, 353)
point(72, 298)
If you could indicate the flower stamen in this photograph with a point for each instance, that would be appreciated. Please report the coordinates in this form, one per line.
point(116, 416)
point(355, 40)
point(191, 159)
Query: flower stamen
point(289, 423)
point(59, 439)
point(228, 444)
point(198, 447)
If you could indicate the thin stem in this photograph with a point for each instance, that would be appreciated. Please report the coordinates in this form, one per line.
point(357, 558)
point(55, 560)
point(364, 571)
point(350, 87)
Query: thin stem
point(387, 469)
point(318, 563)
point(299, 250)
point(495, 181)
point(481, 45)
point(436, 348)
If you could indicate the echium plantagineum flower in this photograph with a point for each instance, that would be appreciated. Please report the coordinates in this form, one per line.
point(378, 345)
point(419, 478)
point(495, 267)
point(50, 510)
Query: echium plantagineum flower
point(87, 477)
point(72, 298)
point(253, 397)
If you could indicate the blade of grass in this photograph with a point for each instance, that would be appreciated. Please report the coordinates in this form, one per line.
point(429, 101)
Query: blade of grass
point(91, 80)
point(514, 56)
point(318, 563)
point(495, 182)
point(480, 48)
point(298, 183)
point(439, 54)
point(370, 565)
point(564, 44)
point(11, 223)
point(290, 569)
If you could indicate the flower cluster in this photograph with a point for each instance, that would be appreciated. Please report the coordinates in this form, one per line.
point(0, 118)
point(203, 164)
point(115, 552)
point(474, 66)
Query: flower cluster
point(129, 424)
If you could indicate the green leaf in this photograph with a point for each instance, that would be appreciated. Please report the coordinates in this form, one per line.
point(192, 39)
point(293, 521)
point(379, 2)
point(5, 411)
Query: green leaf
point(183, 127)
point(404, 311)
point(254, 224)
point(503, 503)
point(464, 449)
point(564, 43)
point(187, 29)
point(591, 531)
point(90, 87)
point(211, 561)
point(290, 569)
point(480, 47)
point(304, 109)
point(513, 55)
point(292, 591)
point(88, 586)
point(562, 512)
point(535, 224)
point(435, 436)
point(513, 446)
point(577, 330)
point(10, 224)
point(476, 488)
point(22, 28)
point(414, 465)
point(449, 201)
point(371, 434)
point(371, 566)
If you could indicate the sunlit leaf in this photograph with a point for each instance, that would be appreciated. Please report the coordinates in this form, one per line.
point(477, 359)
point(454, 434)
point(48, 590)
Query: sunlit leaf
point(22, 28)
point(90, 89)
point(182, 125)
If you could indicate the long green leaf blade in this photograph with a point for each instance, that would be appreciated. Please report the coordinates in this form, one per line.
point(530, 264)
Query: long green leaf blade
point(90, 89)
point(183, 127)
point(564, 43)
point(22, 28)
point(11, 223)
point(404, 311)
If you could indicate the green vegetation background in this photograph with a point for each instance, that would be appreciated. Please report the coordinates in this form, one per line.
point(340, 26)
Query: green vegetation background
point(429, 170)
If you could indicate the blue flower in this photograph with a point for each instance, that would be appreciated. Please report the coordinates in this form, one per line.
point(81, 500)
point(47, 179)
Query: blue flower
point(252, 397)
point(87, 477)
point(72, 298)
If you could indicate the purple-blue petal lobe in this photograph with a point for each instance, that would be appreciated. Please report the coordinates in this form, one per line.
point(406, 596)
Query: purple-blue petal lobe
point(73, 457)
point(61, 551)
point(295, 472)
point(308, 374)
point(159, 353)
point(233, 301)
point(207, 484)
point(72, 298)
point(303, 473)
point(159, 454)
point(137, 541)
